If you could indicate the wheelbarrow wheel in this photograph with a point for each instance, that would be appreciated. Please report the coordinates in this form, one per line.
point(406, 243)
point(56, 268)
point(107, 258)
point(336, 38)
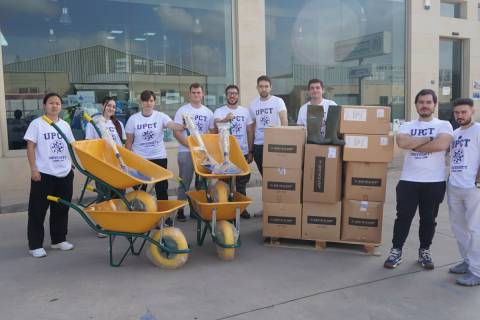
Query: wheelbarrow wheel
point(141, 201)
point(173, 238)
point(220, 192)
point(225, 233)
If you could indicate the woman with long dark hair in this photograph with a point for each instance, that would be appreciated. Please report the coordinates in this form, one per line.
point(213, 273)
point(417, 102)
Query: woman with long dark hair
point(114, 126)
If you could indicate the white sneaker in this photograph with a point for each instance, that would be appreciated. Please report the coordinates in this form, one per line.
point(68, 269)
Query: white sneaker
point(101, 235)
point(64, 246)
point(38, 253)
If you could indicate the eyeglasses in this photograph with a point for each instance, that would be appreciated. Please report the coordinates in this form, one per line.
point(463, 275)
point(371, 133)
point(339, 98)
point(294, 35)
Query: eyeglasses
point(232, 93)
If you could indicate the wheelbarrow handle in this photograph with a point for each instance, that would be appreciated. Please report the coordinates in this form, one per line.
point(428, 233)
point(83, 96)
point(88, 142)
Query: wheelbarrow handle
point(87, 117)
point(76, 208)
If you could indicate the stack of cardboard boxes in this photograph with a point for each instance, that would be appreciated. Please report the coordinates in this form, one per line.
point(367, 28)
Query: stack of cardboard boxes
point(322, 188)
point(360, 166)
point(282, 181)
point(367, 151)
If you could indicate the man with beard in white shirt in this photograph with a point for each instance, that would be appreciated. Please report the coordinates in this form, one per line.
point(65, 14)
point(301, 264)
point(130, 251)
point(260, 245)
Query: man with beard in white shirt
point(266, 111)
point(241, 128)
point(203, 119)
point(463, 196)
point(423, 179)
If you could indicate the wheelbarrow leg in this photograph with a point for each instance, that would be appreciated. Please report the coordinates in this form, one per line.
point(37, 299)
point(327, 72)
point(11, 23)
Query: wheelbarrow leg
point(118, 262)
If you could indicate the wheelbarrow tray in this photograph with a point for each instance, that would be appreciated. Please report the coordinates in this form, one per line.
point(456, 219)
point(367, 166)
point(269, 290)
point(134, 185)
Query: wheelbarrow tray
point(106, 215)
point(212, 143)
point(224, 210)
point(98, 158)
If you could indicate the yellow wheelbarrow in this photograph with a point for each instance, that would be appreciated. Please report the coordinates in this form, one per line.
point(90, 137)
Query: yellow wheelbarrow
point(168, 246)
point(100, 164)
point(217, 206)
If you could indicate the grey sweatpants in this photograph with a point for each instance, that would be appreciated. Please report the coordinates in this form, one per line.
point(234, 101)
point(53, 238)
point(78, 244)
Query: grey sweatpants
point(464, 205)
point(185, 171)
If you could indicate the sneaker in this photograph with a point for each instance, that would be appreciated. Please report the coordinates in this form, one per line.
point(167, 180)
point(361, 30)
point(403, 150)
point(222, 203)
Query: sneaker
point(469, 280)
point(460, 268)
point(64, 246)
point(425, 259)
point(101, 235)
point(258, 214)
point(394, 259)
point(38, 253)
point(181, 216)
point(245, 215)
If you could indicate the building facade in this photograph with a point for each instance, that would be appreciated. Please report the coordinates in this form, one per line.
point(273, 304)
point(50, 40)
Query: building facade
point(370, 52)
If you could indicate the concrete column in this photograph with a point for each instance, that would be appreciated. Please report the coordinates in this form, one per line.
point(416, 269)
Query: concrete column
point(3, 112)
point(250, 47)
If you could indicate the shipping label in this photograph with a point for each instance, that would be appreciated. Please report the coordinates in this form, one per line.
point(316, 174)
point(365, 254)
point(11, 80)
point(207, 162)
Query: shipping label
point(356, 142)
point(319, 175)
point(284, 186)
point(282, 148)
point(353, 114)
point(358, 222)
point(282, 220)
point(366, 182)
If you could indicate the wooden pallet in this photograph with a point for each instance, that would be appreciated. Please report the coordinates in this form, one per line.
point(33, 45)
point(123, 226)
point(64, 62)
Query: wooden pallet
point(320, 245)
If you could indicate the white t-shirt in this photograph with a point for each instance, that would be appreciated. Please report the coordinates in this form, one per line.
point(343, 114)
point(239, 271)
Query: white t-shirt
point(51, 150)
point(266, 114)
point(148, 134)
point(424, 166)
point(202, 117)
point(302, 113)
point(465, 157)
point(239, 123)
point(91, 133)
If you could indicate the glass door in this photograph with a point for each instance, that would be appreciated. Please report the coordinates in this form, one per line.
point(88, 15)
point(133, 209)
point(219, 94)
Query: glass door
point(450, 77)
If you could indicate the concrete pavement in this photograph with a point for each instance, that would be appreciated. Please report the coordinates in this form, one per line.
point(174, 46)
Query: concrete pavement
point(261, 283)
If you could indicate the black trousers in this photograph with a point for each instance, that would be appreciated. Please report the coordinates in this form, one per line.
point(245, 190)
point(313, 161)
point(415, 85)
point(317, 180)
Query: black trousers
point(258, 156)
point(427, 196)
point(38, 205)
point(161, 188)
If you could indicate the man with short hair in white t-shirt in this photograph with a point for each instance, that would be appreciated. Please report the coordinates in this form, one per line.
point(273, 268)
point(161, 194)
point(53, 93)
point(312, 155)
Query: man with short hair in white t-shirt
point(266, 111)
point(463, 195)
point(241, 128)
point(203, 119)
point(422, 181)
point(315, 92)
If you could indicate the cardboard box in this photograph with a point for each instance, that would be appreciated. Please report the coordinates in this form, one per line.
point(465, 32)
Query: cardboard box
point(365, 181)
point(321, 221)
point(282, 185)
point(362, 221)
point(282, 220)
point(365, 119)
point(322, 174)
point(283, 147)
point(368, 148)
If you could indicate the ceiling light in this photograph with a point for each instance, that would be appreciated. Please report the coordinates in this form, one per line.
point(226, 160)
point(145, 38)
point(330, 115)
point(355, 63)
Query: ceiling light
point(110, 37)
point(117, 31)
point(149, 34)
point(139, 39)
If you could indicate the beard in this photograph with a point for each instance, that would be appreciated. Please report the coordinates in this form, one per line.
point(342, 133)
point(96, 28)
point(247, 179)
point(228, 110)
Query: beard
point(232, 102)
point(425, 113)
point(464, 122)
point(264, 94)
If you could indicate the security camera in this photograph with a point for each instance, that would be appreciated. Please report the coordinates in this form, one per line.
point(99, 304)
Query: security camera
point(427, 4)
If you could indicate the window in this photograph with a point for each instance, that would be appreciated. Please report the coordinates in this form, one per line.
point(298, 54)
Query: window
point(355, 46)
point(88, 49)
point(452, 9)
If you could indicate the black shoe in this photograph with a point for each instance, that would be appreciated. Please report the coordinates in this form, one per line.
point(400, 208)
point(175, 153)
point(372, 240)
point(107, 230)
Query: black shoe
point(181, 216)
point(245, 215)
point(169, 222)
